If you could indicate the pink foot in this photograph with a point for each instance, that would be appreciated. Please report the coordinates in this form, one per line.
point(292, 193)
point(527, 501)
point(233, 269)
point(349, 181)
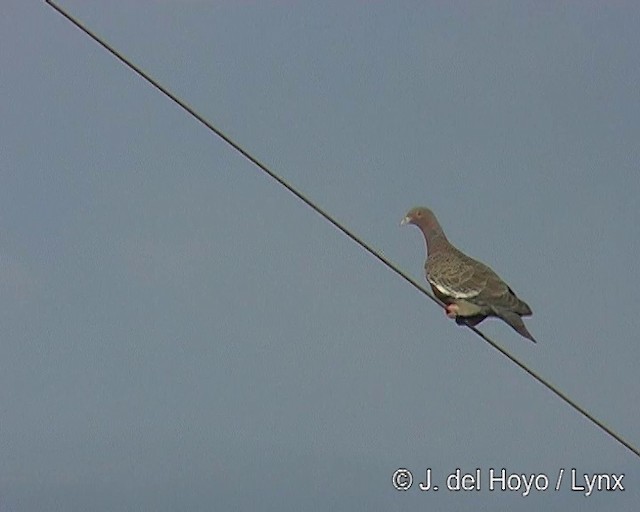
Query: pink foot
point(451, 310)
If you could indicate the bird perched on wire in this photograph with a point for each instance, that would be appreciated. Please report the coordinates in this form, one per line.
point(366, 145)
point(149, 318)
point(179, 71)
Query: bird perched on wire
point(469, 289)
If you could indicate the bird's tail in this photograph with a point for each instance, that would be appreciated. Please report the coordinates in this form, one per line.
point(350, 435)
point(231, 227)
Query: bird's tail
point(514, 320)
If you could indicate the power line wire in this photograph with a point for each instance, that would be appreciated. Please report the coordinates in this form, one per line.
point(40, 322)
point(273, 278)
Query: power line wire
point(337, 224)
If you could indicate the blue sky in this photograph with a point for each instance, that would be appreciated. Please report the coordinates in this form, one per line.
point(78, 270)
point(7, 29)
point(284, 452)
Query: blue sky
point(180, 333)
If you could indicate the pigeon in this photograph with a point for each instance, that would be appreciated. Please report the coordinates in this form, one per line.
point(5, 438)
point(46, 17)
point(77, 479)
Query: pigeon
point(469, 289)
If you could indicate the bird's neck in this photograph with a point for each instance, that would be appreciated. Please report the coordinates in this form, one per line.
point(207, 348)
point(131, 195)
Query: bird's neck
point(434, 240)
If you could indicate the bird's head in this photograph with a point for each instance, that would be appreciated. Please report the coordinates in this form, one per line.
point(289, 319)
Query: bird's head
point(425, 220)
point(419, 216)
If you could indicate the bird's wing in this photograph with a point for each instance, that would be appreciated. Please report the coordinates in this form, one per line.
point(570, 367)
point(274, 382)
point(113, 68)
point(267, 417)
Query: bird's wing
point(495, 293)
point(457, 276)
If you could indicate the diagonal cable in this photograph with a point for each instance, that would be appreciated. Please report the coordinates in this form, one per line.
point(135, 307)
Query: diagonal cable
point(336, 223)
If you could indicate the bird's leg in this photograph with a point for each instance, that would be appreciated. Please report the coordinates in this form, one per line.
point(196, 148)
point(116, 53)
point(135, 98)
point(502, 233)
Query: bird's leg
point(452, 310)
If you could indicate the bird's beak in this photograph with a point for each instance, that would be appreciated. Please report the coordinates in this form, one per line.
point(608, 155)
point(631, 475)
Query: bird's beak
point(405, 220)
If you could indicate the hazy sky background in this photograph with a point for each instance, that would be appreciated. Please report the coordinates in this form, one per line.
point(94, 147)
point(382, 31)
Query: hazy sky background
point(180, 333)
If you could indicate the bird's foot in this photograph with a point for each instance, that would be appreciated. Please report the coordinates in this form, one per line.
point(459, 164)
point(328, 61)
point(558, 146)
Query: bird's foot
point(452, 310)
